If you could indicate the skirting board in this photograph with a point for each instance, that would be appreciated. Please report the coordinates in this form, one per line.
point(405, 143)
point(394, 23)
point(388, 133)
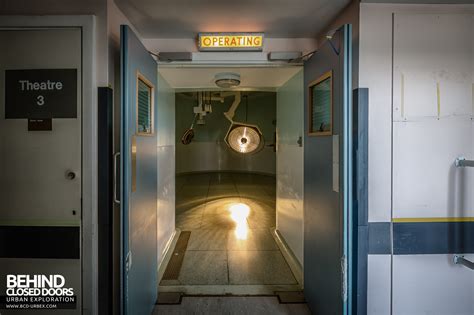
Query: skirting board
point(290, 258)
point(168, 253)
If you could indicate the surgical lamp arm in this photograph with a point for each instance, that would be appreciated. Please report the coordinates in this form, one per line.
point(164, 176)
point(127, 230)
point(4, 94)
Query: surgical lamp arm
point(231, 112)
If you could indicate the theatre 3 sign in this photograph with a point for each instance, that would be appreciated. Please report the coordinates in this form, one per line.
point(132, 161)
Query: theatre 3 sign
point(230, 42)
point(41, 93)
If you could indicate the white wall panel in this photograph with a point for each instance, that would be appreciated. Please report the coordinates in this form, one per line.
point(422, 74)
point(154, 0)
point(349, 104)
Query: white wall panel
point(378, 285)
point(432, 284)
point(432, 110)
point(289, 203)
point(166, 165)
point(425, 181)
point(433, 57)
point(375, 73)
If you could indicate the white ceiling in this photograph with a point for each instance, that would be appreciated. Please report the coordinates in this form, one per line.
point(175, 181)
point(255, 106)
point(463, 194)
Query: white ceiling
point(185, 18)
point(261, 78)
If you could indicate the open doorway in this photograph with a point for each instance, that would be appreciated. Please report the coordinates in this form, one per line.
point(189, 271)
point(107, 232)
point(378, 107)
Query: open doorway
point(321, 96)
point(227, 184)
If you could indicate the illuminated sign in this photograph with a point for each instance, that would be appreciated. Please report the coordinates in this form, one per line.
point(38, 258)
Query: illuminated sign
point(230, 41)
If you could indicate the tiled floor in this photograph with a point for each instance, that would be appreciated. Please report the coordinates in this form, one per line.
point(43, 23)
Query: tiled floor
point(232, 305)
point(230, 217)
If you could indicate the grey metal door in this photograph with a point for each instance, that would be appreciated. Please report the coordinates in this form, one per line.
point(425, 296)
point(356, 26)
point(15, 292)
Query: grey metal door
point(327, 176)
point(139, 175)
point(40, 155)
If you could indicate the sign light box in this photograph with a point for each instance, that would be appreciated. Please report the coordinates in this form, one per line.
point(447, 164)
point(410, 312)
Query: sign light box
point(230, 41)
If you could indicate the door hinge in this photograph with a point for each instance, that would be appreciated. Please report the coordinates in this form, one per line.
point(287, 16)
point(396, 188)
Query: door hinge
point(344, 277)
point(128, 262)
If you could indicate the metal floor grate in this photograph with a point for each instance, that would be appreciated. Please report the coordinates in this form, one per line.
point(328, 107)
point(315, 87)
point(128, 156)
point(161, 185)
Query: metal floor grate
point(174, 265)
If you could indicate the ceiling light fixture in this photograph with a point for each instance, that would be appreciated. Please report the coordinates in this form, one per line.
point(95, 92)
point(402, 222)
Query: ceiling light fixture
point(227, 80)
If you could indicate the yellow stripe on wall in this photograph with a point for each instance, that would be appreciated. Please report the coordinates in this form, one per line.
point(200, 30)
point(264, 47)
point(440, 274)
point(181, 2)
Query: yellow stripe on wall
point(421, 220)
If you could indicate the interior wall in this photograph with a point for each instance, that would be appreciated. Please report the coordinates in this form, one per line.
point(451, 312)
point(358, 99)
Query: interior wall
point(208, 152)
point(289, 169)
point(166, 165)
point(418, 62)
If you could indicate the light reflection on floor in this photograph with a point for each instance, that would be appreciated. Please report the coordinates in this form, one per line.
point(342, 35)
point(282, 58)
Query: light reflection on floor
point(230, 217)
point(239, 213)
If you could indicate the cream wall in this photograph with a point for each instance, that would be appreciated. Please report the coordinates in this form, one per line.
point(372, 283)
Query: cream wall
point(166, 166)
point(289, 164)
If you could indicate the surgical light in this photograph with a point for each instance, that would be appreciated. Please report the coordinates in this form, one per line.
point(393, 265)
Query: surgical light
point(244, 138)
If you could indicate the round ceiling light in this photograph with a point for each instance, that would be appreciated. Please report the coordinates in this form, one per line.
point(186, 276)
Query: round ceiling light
point(227, 80)
point(244, 139)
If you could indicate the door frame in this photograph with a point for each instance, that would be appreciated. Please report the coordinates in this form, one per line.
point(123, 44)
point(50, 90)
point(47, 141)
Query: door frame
point(89, 235)
point(350, 234)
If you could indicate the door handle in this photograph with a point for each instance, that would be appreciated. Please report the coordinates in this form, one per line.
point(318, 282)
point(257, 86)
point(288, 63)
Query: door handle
point(116, 155)
point(70, 175)
point(460, 260)
point(462, 162)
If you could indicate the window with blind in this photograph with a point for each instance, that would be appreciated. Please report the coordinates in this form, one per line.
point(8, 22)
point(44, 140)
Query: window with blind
point(320, 107)
point(144, 107)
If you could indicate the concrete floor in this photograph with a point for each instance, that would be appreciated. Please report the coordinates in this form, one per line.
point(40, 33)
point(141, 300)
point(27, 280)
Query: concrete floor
point(230, 216)
point(232, 305)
